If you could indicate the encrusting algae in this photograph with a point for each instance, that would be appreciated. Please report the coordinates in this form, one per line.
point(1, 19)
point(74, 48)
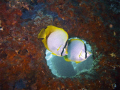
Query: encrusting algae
point(22, 56)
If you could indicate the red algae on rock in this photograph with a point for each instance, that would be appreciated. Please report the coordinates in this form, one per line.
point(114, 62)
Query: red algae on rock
point(22, 54)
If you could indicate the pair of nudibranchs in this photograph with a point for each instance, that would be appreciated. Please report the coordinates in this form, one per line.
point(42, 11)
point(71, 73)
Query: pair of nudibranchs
point(56, 41)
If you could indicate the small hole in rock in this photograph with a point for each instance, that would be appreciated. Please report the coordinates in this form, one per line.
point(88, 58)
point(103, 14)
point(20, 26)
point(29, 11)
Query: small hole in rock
point(61, 68)
point(3, 55)
point(23, 52)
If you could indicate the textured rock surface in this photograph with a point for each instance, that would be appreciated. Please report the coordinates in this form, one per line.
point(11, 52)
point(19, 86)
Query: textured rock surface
point(22, 54)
